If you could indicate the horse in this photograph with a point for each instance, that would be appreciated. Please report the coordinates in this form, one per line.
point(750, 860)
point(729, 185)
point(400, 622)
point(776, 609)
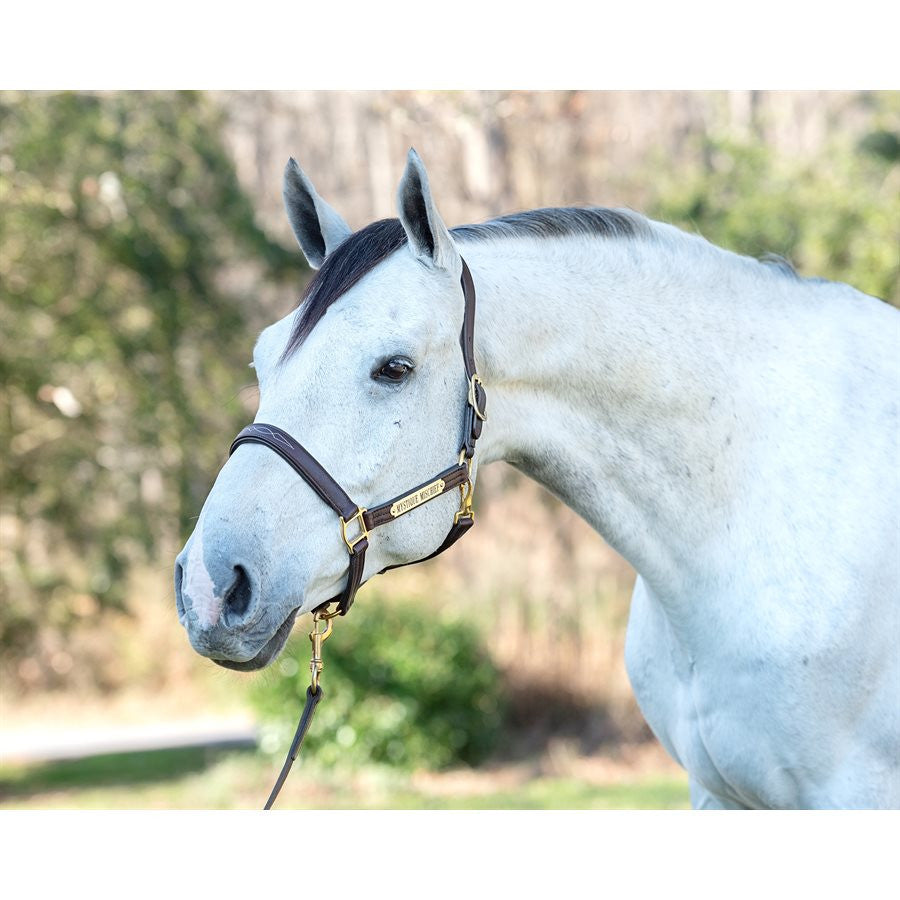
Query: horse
point(729, 427)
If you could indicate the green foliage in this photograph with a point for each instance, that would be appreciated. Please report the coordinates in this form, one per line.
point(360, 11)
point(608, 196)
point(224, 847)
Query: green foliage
point(835, 214)
point(122, 344)
point(401, 687)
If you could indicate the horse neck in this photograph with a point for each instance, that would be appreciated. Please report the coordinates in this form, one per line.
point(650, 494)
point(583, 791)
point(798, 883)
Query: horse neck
point(612, 381)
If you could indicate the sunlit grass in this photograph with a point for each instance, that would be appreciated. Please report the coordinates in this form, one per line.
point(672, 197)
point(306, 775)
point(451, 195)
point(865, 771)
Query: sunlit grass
point(217, 779)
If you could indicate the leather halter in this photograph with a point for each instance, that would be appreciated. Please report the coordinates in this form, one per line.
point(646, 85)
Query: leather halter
point(357, 521)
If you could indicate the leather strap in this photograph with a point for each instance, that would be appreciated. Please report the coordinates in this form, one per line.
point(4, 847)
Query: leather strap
point(473, 417)
point(315, 475)
point(381, 515)
point(303, 463)
point(459, 528)
point(356, 522)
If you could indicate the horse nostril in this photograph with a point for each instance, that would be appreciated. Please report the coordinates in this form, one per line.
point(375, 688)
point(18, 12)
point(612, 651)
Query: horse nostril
point(237, 598)
point(179, 599)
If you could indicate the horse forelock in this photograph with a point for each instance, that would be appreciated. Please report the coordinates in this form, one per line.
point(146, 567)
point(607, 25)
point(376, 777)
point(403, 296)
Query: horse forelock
point(353, 258)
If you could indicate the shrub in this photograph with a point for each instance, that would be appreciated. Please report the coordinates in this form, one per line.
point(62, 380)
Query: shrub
point(402, 686)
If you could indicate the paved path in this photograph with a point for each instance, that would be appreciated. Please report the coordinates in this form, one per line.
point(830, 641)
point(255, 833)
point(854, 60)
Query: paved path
point(42, 745)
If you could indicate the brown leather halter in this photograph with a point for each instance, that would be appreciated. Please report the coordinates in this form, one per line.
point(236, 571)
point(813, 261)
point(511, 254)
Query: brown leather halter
point(357, 521)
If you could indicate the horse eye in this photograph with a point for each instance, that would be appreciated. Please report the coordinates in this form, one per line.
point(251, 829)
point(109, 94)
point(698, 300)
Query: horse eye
point(395, 369)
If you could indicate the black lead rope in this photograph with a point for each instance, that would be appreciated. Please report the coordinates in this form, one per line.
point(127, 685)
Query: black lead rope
point(312, 701)
point(314, 694)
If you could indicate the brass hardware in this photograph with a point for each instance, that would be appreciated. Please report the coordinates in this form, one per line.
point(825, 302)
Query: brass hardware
point(417, 498)
point(317, 638)
point(473, 399)
point(466, 490)
point(363, 531)
point(324, 615)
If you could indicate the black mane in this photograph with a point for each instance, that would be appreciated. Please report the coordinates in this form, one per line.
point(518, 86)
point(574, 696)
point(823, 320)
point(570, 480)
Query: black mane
point(369, 246)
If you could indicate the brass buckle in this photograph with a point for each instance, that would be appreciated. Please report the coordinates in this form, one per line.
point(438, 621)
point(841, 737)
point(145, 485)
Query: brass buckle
point(473, 399)
point(363, 531)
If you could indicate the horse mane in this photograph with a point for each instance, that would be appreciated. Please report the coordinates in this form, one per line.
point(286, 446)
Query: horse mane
point(364, 249)
point(551, 222)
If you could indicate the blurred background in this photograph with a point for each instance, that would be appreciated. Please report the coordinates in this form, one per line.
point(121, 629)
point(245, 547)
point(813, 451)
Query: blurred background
point(143, 245)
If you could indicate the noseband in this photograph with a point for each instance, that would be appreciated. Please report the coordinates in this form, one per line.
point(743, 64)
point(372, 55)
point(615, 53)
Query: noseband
point(356, 521)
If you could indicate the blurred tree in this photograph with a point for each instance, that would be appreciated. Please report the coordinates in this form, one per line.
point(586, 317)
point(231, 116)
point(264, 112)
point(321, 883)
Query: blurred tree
point(834, 213)
point(124, 241)
point(405, 687)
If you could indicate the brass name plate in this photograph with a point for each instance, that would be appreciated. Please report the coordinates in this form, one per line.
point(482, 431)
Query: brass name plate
point(418, 498)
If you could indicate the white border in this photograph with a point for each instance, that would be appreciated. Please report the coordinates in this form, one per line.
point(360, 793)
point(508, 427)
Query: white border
point(99, 44)
point(451, 854)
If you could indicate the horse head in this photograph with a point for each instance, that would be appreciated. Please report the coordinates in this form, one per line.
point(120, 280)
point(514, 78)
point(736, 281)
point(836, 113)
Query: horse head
point(366, 374)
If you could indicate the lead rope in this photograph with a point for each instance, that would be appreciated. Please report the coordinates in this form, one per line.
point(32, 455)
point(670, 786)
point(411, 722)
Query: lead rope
point(314, 694)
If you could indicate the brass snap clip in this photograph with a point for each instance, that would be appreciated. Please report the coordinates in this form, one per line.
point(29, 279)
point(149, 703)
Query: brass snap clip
point(317, 638)
point(466, 492)
point(465, 510)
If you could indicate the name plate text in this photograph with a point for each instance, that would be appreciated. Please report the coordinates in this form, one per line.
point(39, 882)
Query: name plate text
point(417, 498)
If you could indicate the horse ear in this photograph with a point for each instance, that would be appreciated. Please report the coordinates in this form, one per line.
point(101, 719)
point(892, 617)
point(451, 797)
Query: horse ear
point(317, 227)
point(429, 238)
